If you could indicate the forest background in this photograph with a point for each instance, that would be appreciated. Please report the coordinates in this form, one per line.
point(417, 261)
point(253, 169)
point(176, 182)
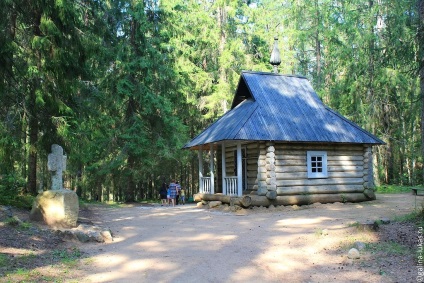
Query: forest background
point(123, 85)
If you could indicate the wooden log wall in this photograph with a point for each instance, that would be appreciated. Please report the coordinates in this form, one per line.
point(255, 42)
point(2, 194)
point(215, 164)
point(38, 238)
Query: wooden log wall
point(368, 168)
point(252, 165)
point(348, 169)
point(229, 161)
point(277, 174)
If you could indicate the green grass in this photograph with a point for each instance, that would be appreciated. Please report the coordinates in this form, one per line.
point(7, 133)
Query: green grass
point(393, 189)
point(3, 260)
point(413, 216)
point(13, 221)
point(64, 259)
point(67, 256)
point(25, 225)
point(417, 216)
point(27, 258)
point(25, 275)
point(391, 248)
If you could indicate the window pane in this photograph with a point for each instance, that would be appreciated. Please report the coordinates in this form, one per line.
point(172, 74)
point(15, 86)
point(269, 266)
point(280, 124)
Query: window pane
point(317, 164)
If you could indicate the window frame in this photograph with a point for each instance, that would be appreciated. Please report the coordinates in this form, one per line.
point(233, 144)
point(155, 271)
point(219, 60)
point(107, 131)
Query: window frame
point(317, 175)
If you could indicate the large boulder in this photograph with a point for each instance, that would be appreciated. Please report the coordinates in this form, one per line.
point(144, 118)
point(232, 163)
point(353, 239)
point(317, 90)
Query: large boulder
point(57, 208)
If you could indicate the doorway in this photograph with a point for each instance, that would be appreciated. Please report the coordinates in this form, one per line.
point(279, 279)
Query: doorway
point(244, 167)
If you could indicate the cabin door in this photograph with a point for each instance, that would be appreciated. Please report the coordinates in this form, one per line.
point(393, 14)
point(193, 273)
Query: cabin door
point(244, 168)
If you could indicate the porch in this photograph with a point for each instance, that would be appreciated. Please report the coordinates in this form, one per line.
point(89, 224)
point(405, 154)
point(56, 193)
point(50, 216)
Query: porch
point(231, 185)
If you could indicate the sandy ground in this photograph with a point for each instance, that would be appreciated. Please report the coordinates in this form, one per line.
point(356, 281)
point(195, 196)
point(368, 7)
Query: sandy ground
point(188, 244)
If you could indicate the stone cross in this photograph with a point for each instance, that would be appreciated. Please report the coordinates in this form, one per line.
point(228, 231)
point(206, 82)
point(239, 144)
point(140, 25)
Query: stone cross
point(56, 163)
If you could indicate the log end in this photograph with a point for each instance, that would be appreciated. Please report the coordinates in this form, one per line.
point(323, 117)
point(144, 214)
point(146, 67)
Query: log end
point(369, 193)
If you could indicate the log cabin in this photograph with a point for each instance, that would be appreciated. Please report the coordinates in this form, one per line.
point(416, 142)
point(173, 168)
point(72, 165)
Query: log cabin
point(281, 145)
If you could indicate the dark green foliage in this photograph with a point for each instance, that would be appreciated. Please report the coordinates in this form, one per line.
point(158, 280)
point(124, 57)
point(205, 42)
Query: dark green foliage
point(12, 192)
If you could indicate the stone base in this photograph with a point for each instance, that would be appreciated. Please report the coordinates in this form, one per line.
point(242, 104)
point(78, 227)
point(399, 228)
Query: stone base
point(57, 208)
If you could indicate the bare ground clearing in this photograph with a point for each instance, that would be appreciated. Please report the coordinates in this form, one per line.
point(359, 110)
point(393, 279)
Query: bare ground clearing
point(286, 244)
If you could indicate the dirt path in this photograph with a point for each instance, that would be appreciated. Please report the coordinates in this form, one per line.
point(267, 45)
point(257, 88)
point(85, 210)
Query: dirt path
point(187, 244)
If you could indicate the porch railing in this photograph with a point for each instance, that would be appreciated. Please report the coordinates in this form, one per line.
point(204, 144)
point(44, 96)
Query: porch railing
point(231, 185)
point(206, 185)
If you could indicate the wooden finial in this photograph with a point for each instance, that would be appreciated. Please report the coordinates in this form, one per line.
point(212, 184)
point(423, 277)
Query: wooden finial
point(275, 56)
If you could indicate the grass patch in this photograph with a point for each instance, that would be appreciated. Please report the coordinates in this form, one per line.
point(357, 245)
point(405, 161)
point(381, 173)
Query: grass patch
point(3, 260)
point(410, 217)
point(372, 246)
point(25, 225)
point(30, 275)
point(393, 189)
point(12, 221)
point(15, 222)
point(353, 224)
point(67, 256)
point(28, 258)
point(56, 266)
point(84, 204)
point(390, 248)
point(416, 216)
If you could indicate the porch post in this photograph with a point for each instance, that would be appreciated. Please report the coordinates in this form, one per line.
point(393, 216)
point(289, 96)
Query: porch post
point(212, 170)
point(200, 157)
point(239, 171)
point(224, 170)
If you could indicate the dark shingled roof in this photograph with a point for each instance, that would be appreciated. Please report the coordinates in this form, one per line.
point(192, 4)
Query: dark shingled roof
point(273, 107)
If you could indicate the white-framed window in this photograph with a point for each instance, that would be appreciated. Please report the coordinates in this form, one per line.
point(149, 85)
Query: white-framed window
point(317, 164)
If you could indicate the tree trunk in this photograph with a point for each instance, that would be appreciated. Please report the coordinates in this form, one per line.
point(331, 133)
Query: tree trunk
point(318, 46)
point(130, 190)
point(33, 139)
point(222, 21)
point(420, 35)
point(33, 113)
point(79, 180)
